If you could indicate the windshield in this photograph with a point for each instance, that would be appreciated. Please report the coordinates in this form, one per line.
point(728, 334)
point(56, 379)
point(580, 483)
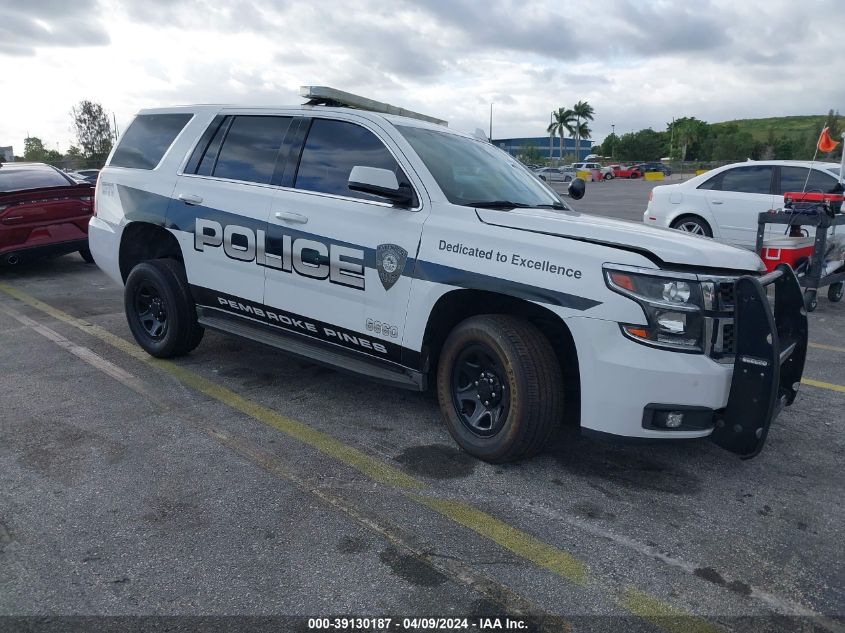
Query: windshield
point(475, 173)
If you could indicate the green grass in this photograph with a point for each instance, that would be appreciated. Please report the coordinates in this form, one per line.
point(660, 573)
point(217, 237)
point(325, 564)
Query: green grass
point(793, 126)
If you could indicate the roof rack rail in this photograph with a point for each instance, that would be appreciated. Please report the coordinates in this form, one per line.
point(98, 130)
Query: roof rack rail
point(325, 96)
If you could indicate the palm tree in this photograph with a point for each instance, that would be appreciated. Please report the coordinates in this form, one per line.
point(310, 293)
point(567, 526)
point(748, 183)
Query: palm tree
point(562, 124)
point(582, 111)
point(582, 130)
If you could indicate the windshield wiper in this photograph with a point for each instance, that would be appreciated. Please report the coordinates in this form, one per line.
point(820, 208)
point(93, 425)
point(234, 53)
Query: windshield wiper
point(497, 204)
point(553, 205)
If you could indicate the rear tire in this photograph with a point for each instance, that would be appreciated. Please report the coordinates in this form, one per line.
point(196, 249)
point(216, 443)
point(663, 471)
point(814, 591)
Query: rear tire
point(500, 387)
point(160, 310)
point(87, 256)
point(693, 224)
point(835, 292)
point(811, 301)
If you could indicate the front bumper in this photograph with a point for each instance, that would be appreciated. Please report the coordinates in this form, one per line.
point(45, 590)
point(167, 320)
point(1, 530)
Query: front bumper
point(621, 380)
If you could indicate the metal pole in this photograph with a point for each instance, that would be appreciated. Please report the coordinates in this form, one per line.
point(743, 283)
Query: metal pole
point(842, 162)
point(491, 122)
point(612, 140)
point(551, 136)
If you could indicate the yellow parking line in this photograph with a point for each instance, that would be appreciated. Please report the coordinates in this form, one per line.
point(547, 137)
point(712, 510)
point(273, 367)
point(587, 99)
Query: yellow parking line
point(663, 615)
point(830, 348)
point(546, 556)
point(823, 385)
point(526, 546)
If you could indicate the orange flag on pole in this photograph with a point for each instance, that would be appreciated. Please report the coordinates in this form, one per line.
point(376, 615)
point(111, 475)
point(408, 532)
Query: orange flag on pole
point(827, 144)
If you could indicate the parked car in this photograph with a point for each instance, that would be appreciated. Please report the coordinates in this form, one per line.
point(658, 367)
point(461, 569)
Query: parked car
point(621, 171)
point(724, 202)
point(555, 174)
point(644, 167)
point(606, 172)
point(43, 213)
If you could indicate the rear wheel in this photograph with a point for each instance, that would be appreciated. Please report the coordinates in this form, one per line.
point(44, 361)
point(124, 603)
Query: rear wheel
point(811, 301)
point(693, 224)
point(835, 291)
point(500, 387)
point(160, 310)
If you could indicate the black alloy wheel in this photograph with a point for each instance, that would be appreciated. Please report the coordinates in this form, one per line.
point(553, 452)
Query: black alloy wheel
point(151, 310)
point(479, 390)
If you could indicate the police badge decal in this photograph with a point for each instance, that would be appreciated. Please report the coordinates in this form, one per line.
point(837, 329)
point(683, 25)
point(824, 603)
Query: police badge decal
point(390, 262)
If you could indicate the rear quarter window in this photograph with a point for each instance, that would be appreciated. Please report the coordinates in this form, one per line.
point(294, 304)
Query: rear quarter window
point(147, 140)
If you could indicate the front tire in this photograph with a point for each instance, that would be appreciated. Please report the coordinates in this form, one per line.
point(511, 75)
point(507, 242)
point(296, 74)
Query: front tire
point(693, 224)
point(835, 292)
point(500, 387)
point(87, 256)
point(160, 310)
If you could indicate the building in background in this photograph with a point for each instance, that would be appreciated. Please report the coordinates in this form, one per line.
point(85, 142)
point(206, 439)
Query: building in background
point(521, 147)
point(7, 154)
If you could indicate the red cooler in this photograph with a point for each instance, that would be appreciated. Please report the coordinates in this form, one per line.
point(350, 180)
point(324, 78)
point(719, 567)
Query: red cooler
point(786, 250)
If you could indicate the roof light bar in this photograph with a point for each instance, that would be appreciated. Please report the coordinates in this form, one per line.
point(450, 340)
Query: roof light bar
point(323, 95)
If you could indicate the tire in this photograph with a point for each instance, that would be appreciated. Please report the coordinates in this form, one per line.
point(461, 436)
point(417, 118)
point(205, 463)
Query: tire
point(86, 255)
point(694, 224)
point(160, 310)
point(811, 300)
point(835, 292)
point(524, 385)
point(608, 176)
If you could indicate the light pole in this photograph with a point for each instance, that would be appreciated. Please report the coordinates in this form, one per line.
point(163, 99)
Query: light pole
point(490, 137)
point(612, 140)
point(551, 136)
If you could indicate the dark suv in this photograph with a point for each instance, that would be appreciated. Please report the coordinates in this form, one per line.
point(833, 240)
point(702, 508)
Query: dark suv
point(43, 213)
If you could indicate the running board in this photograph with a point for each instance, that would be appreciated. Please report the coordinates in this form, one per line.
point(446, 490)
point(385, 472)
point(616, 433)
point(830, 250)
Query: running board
point(390, 374)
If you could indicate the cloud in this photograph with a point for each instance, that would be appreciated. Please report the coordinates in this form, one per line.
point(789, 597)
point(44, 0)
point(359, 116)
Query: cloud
point(29, 25)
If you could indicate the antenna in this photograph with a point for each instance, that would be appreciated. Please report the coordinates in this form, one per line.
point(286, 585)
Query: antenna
point(325, 96)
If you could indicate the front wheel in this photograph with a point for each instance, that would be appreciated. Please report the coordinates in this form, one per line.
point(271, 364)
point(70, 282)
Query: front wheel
point(500, 387)
point(835, 291)
point(87, 256)
point(160, 310)
point(811, 301)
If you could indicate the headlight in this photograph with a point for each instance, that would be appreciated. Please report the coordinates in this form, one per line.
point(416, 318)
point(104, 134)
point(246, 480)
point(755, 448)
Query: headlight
point(673, 308)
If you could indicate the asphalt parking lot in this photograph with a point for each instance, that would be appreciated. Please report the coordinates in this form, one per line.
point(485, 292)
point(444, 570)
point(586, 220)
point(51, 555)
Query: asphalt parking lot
point(238, 481)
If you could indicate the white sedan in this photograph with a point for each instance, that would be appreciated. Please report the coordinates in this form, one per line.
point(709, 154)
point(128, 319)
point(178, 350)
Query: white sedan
point(723, 203)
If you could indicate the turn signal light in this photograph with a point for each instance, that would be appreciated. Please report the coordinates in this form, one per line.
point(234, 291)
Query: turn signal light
point(639, 332)
point(622, 280)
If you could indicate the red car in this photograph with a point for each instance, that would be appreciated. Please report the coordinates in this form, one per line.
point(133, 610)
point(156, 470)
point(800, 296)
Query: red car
point(620, 171)
point(43, 213)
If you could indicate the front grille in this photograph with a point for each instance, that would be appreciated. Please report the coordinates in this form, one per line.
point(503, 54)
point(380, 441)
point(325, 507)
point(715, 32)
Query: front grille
point(728, 342)
point(726, 295)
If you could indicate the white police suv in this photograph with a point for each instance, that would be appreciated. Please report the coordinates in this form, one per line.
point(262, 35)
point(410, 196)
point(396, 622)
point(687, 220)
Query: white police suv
point(378, 241)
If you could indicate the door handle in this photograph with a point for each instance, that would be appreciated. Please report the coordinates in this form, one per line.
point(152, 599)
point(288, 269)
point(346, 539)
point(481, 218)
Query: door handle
point(188, 198)
point(290, 216)
point(716, 202)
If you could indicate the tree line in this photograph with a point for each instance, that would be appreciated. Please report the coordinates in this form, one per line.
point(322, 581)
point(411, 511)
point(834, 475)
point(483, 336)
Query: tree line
point(94, 137)
point(690, 139)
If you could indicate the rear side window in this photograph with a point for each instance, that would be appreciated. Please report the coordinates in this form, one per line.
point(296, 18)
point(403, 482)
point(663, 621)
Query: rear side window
point(250, 149)
point(332, 149)
point(22, 179)
point(793, 179)
point(148, 138)
point(750, 179)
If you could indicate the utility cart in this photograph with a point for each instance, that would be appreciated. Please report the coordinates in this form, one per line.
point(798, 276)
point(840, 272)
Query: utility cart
point(805, 253)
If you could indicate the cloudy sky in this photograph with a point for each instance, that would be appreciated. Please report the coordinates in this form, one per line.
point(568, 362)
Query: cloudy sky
point(639, 63)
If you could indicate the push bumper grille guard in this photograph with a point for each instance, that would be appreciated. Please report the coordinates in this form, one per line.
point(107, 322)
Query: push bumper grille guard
point(771, 347)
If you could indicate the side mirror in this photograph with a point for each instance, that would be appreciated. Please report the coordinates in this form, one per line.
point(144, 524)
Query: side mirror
point(577, 189)
point(380, 182)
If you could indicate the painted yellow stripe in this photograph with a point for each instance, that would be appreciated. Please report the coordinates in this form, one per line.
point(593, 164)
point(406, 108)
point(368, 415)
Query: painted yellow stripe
point(546, 556)
point(542, 554)
point(373, 468)
point(823, 385)
point(830, 348)
point(664, 616)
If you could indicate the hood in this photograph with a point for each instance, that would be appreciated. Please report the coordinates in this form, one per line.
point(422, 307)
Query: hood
point(669, 245)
